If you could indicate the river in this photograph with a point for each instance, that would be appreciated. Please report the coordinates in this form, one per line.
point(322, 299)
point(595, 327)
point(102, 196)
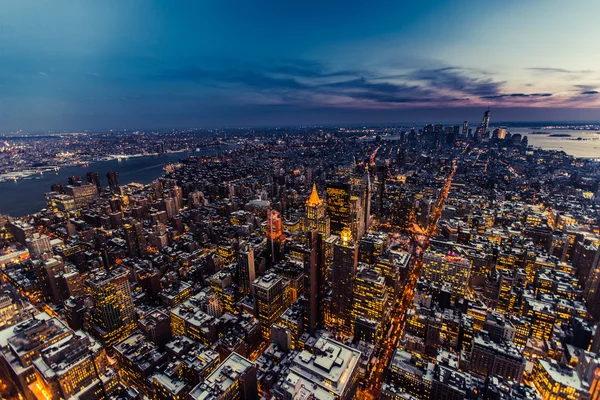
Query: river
point(26, 196)
point(588, 147)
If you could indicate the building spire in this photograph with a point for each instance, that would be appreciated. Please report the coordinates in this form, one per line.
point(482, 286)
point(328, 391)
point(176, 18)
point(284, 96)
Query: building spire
point(313, 200)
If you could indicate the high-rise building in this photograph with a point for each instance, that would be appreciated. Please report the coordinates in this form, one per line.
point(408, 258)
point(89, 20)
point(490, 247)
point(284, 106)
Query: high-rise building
point(370, 300)
point(246, 266)
point(234, 378)
point(272, 299)
point(113, 315)
point(448, 268)
point(275, 236)
point(366, 194)
point(313, 279)
point(485, 123)
point(339, 208)
point(316, 214)
point(94, 179)
point(500, 358)
point(330, 370)
point(136, 239)
point(82, 194)
point(75, 367)
point(38, 245)
point(113, 181)
point(24, 342)
point(343, 271)
point(465, 129)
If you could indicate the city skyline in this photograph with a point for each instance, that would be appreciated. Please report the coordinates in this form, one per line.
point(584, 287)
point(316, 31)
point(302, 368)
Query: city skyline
point(151, 64)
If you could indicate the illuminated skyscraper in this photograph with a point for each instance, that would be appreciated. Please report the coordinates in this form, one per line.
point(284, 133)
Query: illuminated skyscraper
point(113, 316)
point(274, 225)
point(275, 236)
point(339, 208)
point(316, 214)
point(465, 129)
point(343, 271)
point(370, 300)
point(272, 299)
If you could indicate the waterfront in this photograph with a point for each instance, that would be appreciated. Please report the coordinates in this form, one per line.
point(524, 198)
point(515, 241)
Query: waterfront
point(588, 147)
point(26, 196)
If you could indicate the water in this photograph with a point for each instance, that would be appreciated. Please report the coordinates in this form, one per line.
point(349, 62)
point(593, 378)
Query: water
point(578, 148)
point(26, 196)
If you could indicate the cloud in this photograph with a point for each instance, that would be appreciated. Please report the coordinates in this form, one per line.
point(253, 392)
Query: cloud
point(558, 70)
point(454, 79)
point(588, 92)
point(585, 88)
point(517, 95)
point(306, 82)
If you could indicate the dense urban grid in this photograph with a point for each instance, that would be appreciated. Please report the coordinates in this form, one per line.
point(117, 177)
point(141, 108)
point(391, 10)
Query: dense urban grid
point(445, 262)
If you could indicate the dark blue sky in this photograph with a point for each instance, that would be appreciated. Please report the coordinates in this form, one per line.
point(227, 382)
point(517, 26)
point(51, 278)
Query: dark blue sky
point(145, 63)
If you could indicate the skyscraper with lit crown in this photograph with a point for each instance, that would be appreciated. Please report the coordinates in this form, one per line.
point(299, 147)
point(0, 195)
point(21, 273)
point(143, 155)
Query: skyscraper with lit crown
point(316, 214)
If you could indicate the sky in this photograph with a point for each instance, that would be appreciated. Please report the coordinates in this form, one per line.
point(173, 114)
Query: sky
point(88, 64)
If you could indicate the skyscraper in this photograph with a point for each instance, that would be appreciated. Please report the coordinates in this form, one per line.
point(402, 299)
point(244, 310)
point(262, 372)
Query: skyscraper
point(275, 236)
point(370, 300)
point(271, 299)
point(316, 214)
point(94, 178)
point(246, 266)
point(338, 206)
point(343, 270)
point(366, 200)
point(485, 124)
point(465, 129)
point(113, 181)
point(313, 278)
point(113, 316)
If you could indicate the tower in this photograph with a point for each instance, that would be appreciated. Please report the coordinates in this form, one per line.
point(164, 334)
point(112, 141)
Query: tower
point(316, 214)
point(366, 199)
point(113, 181)
point(338, 206)
point(465, 129)
point(94, 178)
point(313, 279)
point(246, 266)
point(275, 236)
point(485, 124)
point(343, 271)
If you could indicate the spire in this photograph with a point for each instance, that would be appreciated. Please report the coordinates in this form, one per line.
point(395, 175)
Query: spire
point(313, 200)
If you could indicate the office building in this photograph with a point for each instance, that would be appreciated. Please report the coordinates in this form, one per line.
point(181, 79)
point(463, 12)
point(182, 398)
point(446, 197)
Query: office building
point(113, 181)
point(339, 208)
point(272, 299)
point(74, 367)
point(234, 378)
point(449, 268)
point(343, 272)
point(112, 317)
point(328, 368)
